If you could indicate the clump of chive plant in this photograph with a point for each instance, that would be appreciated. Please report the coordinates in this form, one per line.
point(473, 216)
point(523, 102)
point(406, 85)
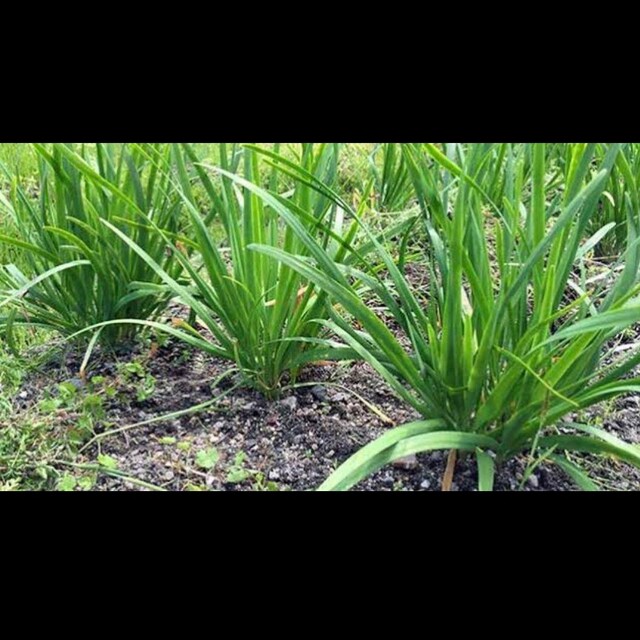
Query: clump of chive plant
point(71, 274)
point(500, 357)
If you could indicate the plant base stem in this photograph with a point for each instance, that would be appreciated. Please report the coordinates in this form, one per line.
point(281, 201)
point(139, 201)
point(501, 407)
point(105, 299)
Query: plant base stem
point(447, 478)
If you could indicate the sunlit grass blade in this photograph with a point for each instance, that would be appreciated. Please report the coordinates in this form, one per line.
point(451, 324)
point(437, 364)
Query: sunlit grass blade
point(486, 470)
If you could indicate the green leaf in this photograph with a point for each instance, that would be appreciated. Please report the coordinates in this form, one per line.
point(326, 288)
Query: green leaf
point(610, 446)
point(86, 483)
point(237, 475)
point(578, 475)
point(615, 319)
point(107, 462)
point(208, 458)
point(16, 295)
point(486, 470)
point(67, 483)
point(412, 438)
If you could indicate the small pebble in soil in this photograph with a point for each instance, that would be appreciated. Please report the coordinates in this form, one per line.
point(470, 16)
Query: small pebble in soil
point(319, 393)
point(290, 403)
point(533, 481)
point(425, 484)
point(408, 463)
point(274, 474)
point(387, 480)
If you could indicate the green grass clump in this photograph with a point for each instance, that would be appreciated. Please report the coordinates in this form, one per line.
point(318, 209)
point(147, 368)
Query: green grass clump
point(260, 314)
point(500, 352)
point(69, 273)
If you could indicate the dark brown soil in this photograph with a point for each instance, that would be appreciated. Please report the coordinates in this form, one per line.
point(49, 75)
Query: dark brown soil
point(289, 444)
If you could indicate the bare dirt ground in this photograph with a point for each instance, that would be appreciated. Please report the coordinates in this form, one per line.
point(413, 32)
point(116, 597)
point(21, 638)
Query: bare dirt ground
point(289, 444)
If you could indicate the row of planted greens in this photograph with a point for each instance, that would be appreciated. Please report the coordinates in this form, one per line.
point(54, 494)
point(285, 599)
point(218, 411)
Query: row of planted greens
point(531, 254)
